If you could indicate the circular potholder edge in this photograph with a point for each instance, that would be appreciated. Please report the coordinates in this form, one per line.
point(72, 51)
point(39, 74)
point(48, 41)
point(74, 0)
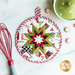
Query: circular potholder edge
point(26, 57)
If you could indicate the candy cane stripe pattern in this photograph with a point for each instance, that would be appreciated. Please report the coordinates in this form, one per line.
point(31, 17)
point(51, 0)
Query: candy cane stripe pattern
point(38, 12)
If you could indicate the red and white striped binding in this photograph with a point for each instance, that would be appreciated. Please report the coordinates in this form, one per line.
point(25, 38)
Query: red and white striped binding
point(37, 16)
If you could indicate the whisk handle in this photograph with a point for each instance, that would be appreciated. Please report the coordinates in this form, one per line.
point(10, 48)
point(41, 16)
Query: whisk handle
point(12, 69)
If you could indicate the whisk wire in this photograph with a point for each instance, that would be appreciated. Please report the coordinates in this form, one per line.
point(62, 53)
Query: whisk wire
point(3, 51)
point(1, 40)
point(6, 40)
point(2, 25)
point(3, 47)
point(7, 46)
point(10, 46)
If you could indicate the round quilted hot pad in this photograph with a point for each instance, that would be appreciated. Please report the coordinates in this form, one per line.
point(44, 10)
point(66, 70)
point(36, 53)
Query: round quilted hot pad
point(38, 39)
